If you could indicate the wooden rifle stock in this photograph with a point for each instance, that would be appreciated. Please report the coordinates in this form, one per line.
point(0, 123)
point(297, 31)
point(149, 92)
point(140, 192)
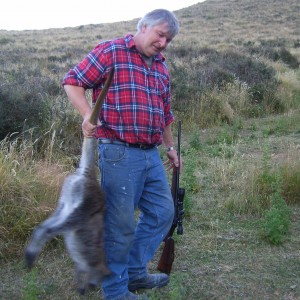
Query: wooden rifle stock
point(167, 257)
point(168, 254)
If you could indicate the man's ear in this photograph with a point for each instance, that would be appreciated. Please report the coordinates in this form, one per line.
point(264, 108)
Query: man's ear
point(144, 28)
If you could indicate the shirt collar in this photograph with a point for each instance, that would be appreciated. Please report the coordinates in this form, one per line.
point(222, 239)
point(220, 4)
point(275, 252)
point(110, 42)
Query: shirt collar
point(131, 45)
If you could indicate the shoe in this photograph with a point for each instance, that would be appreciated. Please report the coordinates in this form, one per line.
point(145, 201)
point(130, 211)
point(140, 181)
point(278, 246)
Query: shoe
point(151, 281)
point(131, 296)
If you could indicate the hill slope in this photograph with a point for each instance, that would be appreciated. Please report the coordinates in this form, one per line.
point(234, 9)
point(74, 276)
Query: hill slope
point(219, 21)
point(211, 22)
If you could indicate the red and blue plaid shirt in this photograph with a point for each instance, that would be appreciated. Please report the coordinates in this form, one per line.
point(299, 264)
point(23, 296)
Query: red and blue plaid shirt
point(137, 106)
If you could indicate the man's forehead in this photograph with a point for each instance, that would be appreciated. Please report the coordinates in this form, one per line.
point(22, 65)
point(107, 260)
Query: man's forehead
point(163, 27)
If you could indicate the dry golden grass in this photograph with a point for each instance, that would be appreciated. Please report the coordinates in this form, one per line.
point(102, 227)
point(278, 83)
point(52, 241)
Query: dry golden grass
point(233, 21)
point(29, 192)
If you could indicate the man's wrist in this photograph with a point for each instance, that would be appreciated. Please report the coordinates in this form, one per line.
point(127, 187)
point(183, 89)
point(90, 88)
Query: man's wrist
point(171, 148)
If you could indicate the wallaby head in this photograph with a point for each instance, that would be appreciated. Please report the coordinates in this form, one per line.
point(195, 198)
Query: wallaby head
point(79, 216)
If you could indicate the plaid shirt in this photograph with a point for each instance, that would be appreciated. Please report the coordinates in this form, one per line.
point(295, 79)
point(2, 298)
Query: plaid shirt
point(137, 106)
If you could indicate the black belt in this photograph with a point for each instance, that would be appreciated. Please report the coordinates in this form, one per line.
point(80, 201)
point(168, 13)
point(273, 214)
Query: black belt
point(116, 142)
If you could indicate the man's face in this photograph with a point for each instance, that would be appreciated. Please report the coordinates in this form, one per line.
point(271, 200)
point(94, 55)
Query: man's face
point(155, 39)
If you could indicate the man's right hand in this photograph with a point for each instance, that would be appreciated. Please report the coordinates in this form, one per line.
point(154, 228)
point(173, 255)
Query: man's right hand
point(88, 129)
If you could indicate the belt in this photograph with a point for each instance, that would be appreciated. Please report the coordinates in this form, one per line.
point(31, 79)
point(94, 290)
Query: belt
point(116, 142)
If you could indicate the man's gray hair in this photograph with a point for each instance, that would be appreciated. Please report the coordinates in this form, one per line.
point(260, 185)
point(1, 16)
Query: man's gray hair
point(159, 16)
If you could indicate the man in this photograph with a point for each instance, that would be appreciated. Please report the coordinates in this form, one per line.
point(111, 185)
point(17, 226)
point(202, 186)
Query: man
point(134, 120)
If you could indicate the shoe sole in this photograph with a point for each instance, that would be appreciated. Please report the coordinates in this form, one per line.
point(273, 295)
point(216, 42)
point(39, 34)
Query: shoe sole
point(140, 286)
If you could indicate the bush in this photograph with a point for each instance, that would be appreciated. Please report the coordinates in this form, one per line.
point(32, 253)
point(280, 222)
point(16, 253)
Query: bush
point(4, 41)
point(289, 59)
point(202, 72)
point(25, 103)
point(276, 54)
point(276, 222)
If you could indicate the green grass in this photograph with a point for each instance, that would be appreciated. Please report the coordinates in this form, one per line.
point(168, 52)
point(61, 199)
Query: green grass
point(230, 248)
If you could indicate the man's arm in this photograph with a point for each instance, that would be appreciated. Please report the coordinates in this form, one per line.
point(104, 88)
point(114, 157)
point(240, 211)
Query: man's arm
point(168, 137)
point(169, 142)
point(77, 97)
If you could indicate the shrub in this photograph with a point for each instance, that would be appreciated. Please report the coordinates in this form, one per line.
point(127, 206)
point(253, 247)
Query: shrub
point(288, 58)
point(297, 44)
point(25, 102)
point(276, 222)
point(4, 41)
point(182, 87)
point(195, 141)
point(201, 79)
point(275, 54)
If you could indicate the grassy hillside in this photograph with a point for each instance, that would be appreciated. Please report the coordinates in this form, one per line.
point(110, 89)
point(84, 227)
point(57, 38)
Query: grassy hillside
point(236, 87)
point(234, 22)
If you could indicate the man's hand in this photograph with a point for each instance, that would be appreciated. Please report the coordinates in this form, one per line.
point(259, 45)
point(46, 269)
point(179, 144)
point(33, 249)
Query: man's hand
point(173, 160)
point(88, 129)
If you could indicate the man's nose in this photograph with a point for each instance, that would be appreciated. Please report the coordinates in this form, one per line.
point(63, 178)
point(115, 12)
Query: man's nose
point(163, 43)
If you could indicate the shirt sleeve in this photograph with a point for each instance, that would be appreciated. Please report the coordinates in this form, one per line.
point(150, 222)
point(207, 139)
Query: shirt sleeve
point(169, 116)
point(89, 71)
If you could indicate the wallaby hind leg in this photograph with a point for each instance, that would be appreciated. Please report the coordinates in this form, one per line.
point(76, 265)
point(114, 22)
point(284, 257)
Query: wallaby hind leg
point(81, 280)
point(40, 236)
point(96, 274)
point(56, 224)
point(44, 232)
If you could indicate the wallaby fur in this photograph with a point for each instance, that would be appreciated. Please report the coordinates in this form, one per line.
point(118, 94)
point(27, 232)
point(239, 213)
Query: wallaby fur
point(79, 216)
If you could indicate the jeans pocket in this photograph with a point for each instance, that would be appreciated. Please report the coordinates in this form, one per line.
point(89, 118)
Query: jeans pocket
point(112, 153)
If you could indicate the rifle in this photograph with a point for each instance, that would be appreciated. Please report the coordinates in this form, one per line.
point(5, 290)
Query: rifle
point(168, 253)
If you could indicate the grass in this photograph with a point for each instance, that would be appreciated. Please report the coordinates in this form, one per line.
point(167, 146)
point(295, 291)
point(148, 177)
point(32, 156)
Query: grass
point(222, 253)
point(29, 191)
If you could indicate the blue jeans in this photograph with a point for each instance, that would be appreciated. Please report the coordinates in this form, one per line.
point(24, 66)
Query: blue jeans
point(132, 179)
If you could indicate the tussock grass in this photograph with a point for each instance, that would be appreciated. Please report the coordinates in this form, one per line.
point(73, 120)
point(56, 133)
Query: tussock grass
point(258, 183)
point(290, 172)
point(29, 192)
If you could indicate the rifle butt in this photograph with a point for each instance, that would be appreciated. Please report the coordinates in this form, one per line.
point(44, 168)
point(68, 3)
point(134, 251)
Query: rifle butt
point(167, 257)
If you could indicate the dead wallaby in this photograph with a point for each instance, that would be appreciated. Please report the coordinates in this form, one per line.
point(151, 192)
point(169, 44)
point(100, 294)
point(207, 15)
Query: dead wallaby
point(79, 215)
